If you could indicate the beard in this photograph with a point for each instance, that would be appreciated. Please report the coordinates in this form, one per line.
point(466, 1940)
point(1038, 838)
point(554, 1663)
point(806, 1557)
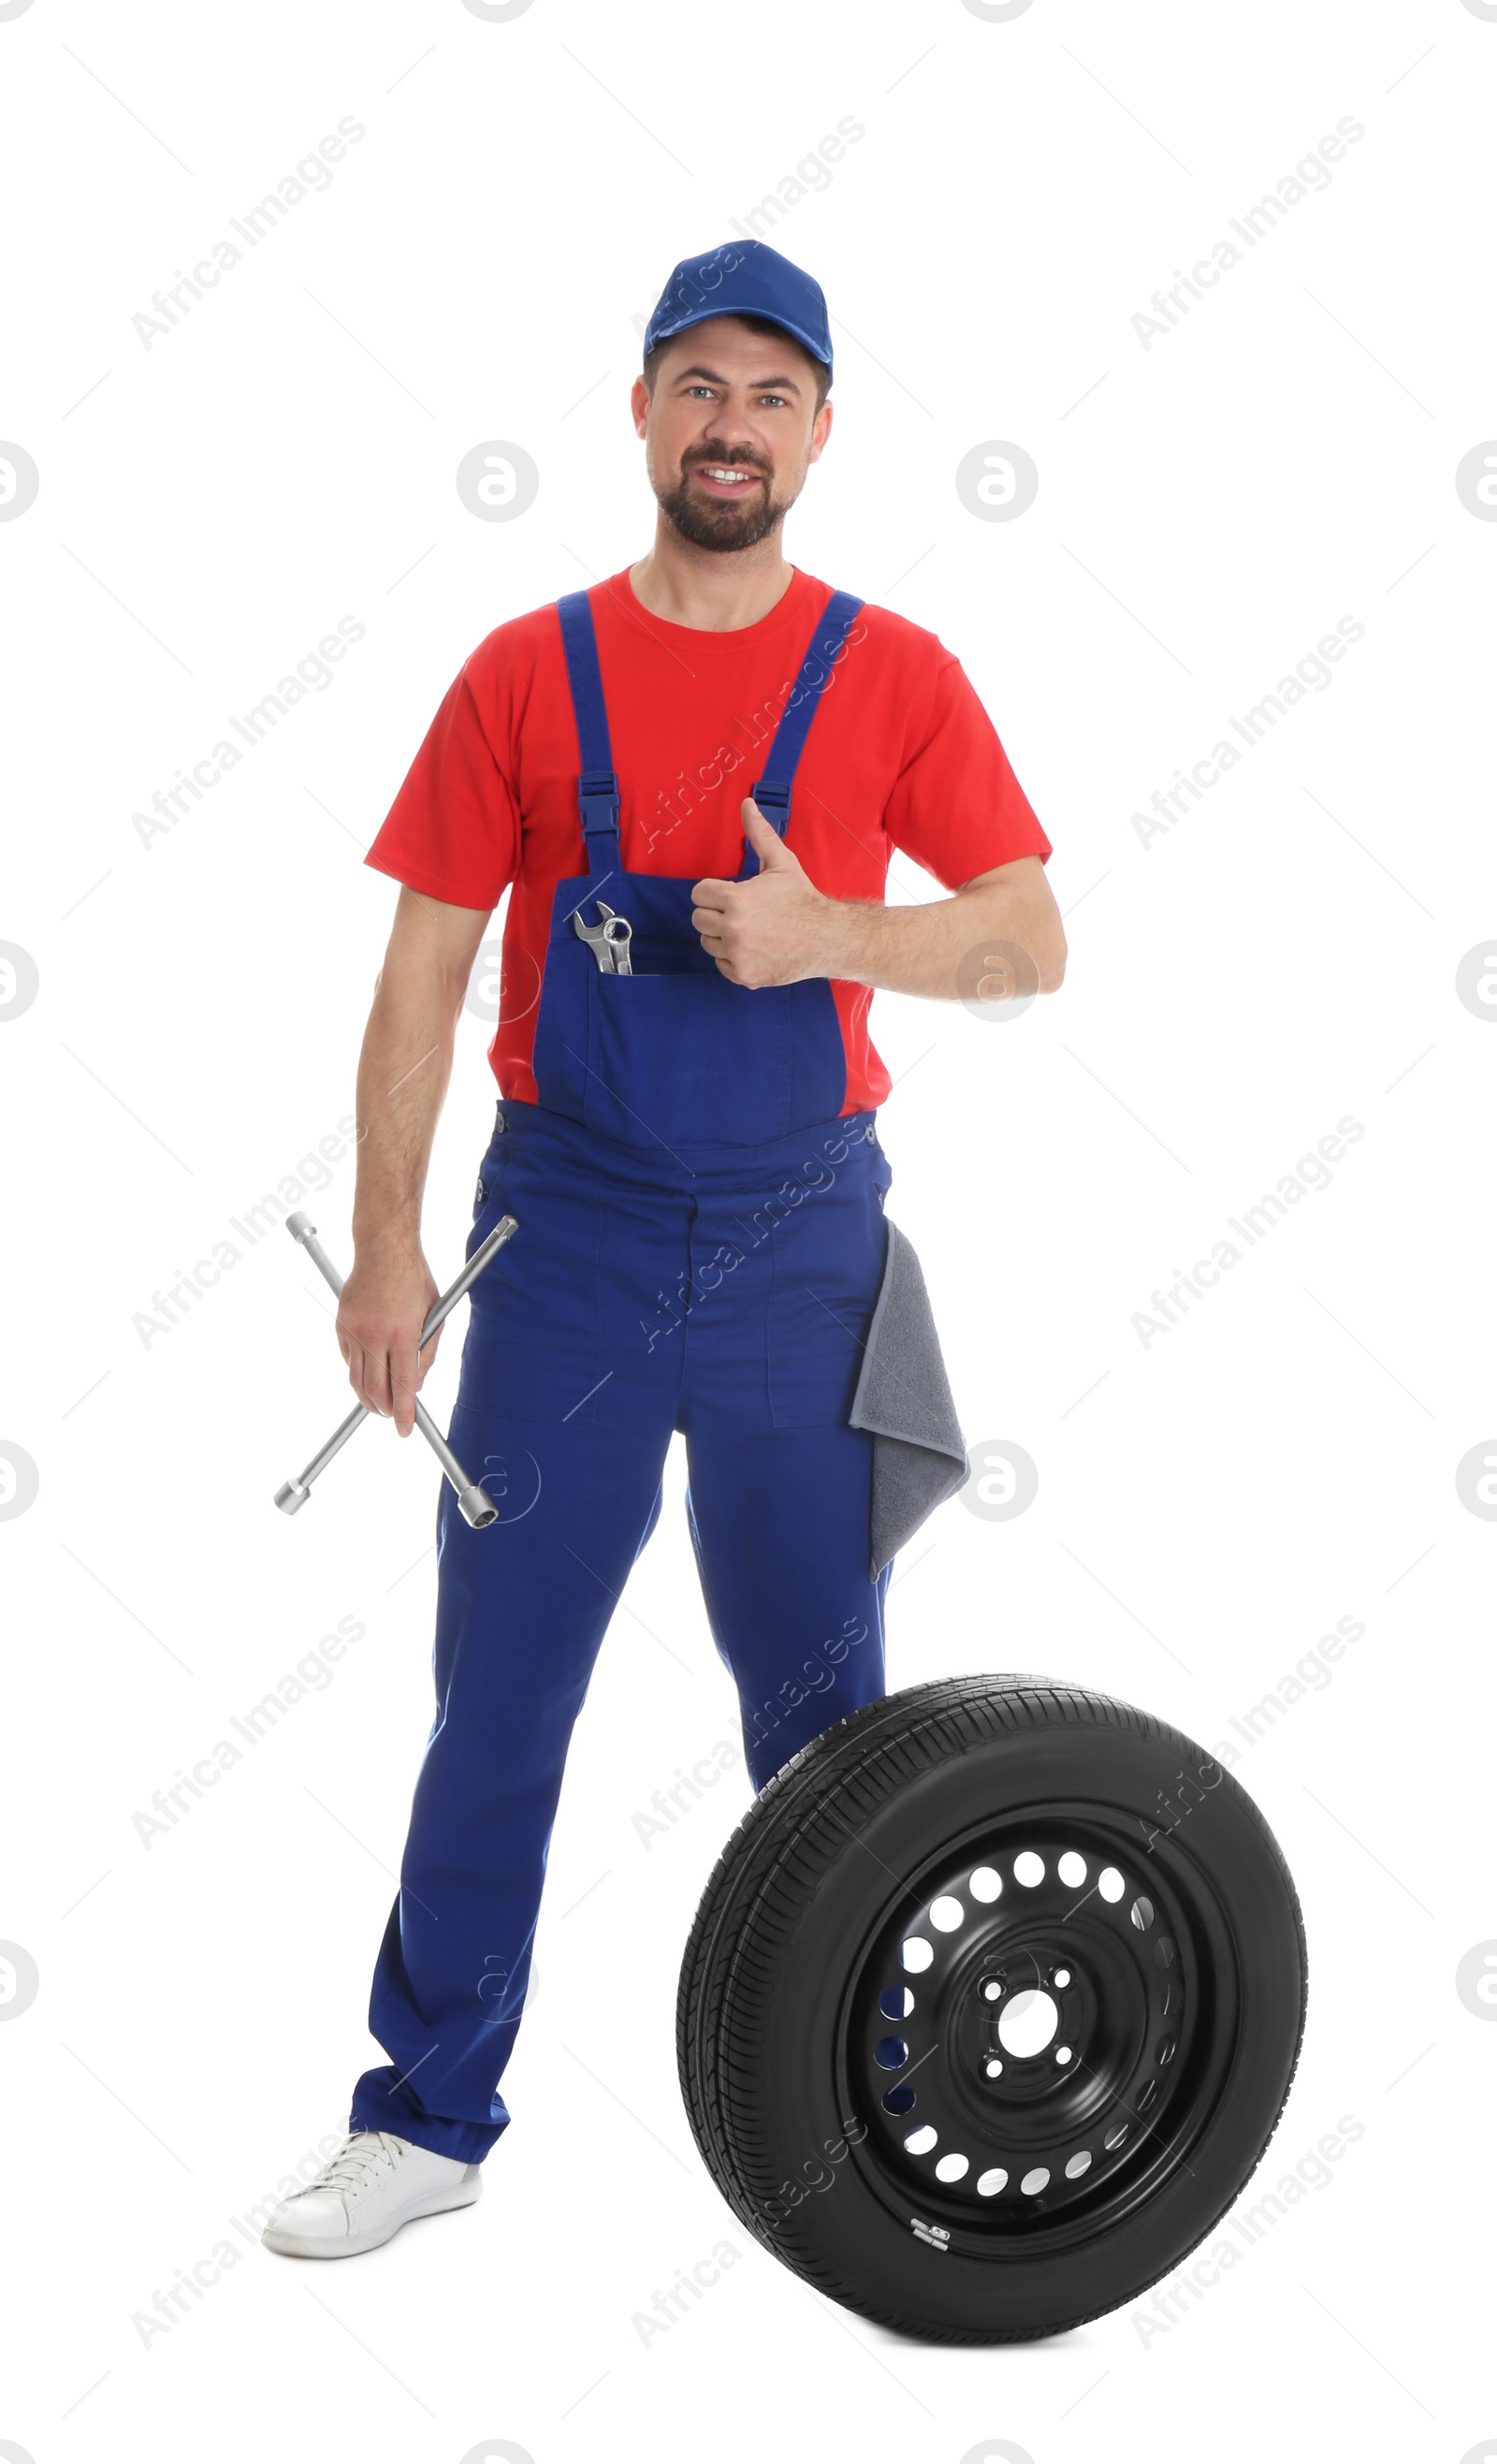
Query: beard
point(713, 522)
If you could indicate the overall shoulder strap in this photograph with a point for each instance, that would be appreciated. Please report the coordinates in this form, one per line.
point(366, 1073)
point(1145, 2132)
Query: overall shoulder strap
point(597, 787)
point(771, 790)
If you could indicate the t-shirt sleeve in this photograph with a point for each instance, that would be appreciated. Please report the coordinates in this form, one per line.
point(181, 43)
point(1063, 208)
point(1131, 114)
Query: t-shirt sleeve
point(957, 807)
point(453, 830)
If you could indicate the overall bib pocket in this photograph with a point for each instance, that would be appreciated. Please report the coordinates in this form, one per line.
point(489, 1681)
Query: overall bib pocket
point(685, 1059)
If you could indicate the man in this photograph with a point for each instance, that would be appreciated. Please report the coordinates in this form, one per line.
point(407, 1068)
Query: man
point(690, 778)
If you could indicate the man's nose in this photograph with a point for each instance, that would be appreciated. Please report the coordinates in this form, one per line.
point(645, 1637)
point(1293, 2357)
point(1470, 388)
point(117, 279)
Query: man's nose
point(736, 441)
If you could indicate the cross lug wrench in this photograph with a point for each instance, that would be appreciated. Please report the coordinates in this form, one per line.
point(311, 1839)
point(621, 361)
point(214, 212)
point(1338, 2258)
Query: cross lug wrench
point(476, 1507)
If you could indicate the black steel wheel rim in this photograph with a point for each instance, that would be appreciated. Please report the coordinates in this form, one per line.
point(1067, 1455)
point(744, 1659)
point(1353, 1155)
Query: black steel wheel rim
point(1038, 2030)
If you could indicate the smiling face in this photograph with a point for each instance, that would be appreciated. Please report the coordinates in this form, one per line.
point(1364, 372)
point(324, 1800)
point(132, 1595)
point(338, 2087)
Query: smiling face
point(731, 429)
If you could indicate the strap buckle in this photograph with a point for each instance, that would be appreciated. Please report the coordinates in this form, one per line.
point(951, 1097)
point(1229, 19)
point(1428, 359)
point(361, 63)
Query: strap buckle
point(771, 795)
point(597, 798)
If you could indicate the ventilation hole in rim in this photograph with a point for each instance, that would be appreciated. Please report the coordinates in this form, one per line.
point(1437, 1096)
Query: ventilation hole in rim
point(985, 1885)
point(1111, 1884)
point(1142, 1914)
point(1147, 2094)
point(915, 1954)
point(950, 2168)
point(1061, 1977)
point(1077, 2165)
point(898, 2099)
point(947, 1914)
point(1073, 1870)
point(1165, 2053)
point(1164, 1951)
point(896, 2002)
point(990, 2183)
point(1116, 2138)
point(1034, 2182)
point(1169, 2000)
point(1028, 1869)
point(920, 2141)
point(891, 2053)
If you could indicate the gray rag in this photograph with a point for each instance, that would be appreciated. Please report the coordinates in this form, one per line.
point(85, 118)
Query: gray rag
point(904, 1399)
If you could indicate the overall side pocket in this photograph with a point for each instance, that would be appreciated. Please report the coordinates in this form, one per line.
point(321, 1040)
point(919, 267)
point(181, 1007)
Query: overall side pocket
point(535, 1332)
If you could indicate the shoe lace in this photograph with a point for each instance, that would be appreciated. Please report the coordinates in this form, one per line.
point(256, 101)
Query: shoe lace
point(359, 2158)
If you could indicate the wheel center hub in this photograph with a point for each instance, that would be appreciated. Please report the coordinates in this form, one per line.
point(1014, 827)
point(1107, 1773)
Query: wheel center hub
point(1026, 2023)
point(1026, 2020)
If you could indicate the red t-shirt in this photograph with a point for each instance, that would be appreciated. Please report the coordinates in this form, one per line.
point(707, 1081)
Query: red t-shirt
point(901, 753)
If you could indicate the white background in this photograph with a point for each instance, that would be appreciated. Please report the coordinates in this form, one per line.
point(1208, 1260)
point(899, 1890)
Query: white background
point(1209, 1504)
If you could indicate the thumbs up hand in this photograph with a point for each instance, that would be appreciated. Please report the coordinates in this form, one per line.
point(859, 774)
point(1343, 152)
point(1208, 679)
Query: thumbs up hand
point(771, 930)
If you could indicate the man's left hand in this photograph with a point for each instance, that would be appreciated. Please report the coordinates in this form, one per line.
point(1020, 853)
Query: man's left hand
point(772, 929)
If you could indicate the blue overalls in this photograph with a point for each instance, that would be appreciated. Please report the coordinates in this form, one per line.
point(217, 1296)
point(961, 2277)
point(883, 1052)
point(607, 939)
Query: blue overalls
point(700, 1246)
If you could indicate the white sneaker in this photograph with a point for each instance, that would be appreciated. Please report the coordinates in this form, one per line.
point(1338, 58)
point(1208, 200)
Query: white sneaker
point(375, 2184)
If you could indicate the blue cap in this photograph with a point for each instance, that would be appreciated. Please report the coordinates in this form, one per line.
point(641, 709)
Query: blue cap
point(743, 278)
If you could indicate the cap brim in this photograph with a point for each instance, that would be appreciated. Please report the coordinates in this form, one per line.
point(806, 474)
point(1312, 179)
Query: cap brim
point(705, 316)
